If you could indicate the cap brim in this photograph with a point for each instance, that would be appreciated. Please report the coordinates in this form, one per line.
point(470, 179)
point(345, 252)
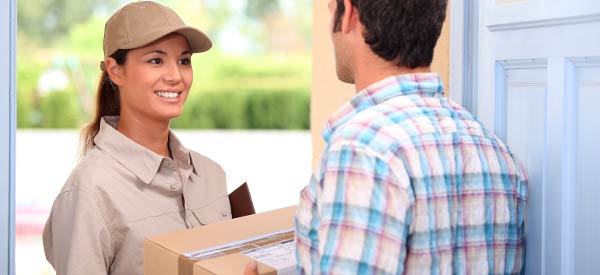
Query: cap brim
point(198, 41)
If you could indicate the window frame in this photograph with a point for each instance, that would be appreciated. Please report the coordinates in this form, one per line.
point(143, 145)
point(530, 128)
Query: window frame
point(7, 138)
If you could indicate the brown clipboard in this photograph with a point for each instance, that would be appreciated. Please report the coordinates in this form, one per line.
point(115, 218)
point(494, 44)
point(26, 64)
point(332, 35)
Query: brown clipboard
point(241, 202)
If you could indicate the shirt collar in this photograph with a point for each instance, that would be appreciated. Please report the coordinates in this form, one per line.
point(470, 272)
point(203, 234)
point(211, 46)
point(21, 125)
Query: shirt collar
point(422, 84)
point(135, 157)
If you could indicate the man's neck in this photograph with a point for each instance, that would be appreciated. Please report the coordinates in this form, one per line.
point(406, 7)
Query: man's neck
point(374, 69)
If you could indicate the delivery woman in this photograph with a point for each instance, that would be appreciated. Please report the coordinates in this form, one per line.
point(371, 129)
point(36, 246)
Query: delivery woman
point(136, 179)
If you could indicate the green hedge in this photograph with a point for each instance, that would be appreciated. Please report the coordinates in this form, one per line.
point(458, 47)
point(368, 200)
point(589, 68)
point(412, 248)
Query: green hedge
point(56, 109)
point(278, 110)
point(59, 109)
point(229, 92)
point(253, 109)
point(28, 71)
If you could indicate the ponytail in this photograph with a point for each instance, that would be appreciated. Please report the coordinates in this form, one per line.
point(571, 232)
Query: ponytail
point(107, 104)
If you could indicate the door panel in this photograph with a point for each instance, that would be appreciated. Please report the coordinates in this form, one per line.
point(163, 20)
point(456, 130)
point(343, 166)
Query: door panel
point(538, 87)
point(521, 102)
point(587, 189)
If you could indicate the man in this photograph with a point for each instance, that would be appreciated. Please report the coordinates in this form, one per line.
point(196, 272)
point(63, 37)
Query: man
point(410, 182)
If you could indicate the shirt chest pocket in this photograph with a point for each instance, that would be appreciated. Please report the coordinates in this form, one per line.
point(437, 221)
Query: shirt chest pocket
point(217, 210)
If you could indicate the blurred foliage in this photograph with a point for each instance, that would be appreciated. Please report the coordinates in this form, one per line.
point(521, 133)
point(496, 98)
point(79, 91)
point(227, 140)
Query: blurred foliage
point(272, 110)
point(261, 8)
point(227, 91)
point(265, 88)
point(50, 20)
point(60, 110)
point(249, 109)
point(224, 110)
point(27, 76)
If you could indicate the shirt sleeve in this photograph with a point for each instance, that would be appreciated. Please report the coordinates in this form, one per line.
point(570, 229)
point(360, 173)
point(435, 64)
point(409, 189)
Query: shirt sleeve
point(363, 212)
point(76, 238)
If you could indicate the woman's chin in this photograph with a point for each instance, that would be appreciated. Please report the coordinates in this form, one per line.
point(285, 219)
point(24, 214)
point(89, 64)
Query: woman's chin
point(167, 116)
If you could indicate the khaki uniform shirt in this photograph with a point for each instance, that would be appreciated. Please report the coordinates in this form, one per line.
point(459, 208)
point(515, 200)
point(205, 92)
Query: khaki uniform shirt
point(119, 194)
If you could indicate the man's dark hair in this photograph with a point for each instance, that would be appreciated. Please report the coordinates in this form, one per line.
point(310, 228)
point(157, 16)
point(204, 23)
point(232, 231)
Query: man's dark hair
point(404, 31)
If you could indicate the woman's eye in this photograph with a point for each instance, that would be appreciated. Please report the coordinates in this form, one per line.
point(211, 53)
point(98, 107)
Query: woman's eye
point(185, 61)
point(155, 61)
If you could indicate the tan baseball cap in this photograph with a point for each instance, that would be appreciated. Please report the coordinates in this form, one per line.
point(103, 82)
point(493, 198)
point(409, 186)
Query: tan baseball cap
point(140, 23)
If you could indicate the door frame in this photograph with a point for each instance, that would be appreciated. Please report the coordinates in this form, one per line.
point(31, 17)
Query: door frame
point(7, 138)
point(464, 50)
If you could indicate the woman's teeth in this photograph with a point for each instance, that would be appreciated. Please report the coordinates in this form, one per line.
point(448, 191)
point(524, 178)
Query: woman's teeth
point(167, 94)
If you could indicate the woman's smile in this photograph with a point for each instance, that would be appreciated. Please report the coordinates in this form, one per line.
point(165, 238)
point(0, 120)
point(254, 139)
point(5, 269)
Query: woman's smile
point(169, 95)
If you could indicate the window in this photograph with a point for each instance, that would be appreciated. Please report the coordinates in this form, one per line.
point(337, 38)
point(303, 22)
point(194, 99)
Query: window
point(248, 108)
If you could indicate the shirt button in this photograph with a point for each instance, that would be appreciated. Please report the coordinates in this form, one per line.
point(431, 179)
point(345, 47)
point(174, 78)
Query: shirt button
point(173, 186)
point(224, 213)
point(166, 163)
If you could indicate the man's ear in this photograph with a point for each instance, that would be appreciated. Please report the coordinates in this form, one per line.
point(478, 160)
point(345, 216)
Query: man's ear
point(350, 18)
point(114, 70)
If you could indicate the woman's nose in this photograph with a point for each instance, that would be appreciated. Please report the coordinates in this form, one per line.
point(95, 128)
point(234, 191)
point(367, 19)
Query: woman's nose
point(173, 73)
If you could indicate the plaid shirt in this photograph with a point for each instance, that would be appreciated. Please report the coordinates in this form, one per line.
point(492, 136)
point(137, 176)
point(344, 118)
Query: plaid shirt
point(411, 183)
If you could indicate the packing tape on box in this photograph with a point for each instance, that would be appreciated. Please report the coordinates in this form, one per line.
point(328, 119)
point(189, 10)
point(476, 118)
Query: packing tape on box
point(279, 246)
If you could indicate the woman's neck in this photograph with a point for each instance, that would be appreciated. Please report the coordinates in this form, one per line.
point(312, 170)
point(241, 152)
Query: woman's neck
point(151, 134)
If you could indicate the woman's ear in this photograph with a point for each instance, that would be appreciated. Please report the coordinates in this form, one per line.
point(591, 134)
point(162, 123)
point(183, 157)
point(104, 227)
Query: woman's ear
point(114, 70)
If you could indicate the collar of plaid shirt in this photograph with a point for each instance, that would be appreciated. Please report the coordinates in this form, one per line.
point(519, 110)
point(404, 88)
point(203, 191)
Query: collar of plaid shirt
point(422, 84)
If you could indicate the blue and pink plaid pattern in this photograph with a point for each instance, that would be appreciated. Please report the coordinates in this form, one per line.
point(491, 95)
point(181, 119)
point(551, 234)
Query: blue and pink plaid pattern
point(411, 183)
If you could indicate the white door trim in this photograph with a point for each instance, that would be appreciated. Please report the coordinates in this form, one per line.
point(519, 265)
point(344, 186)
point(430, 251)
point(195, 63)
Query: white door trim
point(464, 52)
point(570, 173)
point(567, 20)
point(7, 138)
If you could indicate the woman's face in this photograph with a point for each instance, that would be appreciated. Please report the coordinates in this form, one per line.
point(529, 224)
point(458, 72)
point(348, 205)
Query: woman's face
point(156, 79)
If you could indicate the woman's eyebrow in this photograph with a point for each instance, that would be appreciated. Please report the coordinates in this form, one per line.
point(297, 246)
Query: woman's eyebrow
point(186, 52)
point(156, 51)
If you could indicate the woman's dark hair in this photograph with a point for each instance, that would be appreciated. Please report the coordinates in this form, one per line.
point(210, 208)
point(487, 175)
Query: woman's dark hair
point(403, 31)
point(107, 104)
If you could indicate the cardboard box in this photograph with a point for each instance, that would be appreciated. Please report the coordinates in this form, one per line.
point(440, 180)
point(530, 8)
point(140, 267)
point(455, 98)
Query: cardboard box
point(226, 247)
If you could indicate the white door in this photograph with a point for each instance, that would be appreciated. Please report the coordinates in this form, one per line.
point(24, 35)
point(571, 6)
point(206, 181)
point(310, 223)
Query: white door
point(537, 84)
